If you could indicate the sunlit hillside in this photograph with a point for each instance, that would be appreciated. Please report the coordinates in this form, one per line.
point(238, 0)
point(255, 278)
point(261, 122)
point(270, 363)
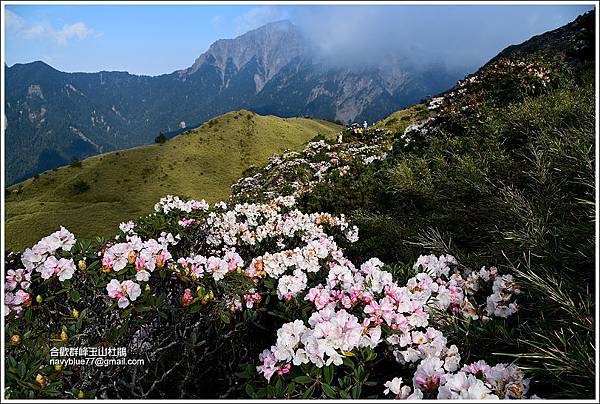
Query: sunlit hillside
point(91, 199)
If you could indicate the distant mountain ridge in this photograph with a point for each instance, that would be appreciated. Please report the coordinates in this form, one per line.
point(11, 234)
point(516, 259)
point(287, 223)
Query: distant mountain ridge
point(53, 117)
point(574, 43)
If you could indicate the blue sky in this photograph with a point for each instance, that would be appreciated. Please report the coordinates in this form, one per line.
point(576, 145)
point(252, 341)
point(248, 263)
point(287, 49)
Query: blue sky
point(156, 39)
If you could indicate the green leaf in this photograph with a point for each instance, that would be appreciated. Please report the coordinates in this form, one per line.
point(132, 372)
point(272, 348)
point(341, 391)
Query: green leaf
point(329, 391)
point(356, 390)
point(225, 318)
point(22, 370)
point(279, 387)
point(302, 379)
point(261, 393)
point(309, 392)
point(249, 390)
point(344, 394)
point(359, 373)
point(328, 373)
point(195, 308)
point(348, 362)
point(93, 265)
point(75, 295)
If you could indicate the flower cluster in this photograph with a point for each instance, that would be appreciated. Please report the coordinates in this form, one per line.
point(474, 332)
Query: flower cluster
point(170, 202)
point(458, 292)
point(217, 267)
point(506, 77)
point(15, 301)
point(477, 381)
point(331, 334)
point(251, 224)
point(355, 304)
point(127, 227)
point(252, 298)
point(296, 173)
point(499, 303)
point(415, 131)
point(44, 257)
point(300, 244)
point(125, 292)
point(136, 256)
point(145, 256)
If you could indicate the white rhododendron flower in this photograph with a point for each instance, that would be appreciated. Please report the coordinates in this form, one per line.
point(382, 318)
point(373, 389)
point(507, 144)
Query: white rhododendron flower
point(127, 227)
point(393, 386)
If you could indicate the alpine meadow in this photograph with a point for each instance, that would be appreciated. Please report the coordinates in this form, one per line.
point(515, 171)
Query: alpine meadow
point(275, 246)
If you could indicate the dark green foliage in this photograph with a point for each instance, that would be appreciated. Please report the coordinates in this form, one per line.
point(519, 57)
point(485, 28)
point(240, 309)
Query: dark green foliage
point(79, 187)
point(320, 137)
point(161, 138)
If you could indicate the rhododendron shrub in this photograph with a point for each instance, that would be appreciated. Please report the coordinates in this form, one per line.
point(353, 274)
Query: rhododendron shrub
point(146, 293)
point(320, 163)
point(225, 271)
point(363, 310)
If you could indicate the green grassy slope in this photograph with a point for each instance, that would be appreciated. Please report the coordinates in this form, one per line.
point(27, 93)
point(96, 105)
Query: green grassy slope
point(202, 163)
point(398, 121)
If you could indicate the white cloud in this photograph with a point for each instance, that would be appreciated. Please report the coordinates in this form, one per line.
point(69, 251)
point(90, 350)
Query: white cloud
point(78, 30)
point(258, 16)
point(13, 21)
point(216, 20)
point(61, 37)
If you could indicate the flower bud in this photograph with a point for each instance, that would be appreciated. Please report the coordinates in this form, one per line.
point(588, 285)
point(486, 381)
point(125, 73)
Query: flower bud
point(41, 380)
point(64, 337)
point(15, 339)
point(82, 265)
point(75, 314)
point(131, 257)
point(26, 300)
point(147, 288)
point(58, 367)
point(81, 394)
point(39, 299)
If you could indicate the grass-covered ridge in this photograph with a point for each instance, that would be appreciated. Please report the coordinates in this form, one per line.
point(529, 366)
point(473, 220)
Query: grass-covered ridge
point(93, 197)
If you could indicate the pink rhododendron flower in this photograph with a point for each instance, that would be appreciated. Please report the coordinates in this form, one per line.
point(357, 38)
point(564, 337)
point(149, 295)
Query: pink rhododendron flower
point(63, 268)
point(18, 278)
point(125, 291)
point(187, 298)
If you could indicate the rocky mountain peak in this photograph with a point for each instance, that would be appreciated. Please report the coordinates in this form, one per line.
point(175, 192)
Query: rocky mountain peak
point(273, 46)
